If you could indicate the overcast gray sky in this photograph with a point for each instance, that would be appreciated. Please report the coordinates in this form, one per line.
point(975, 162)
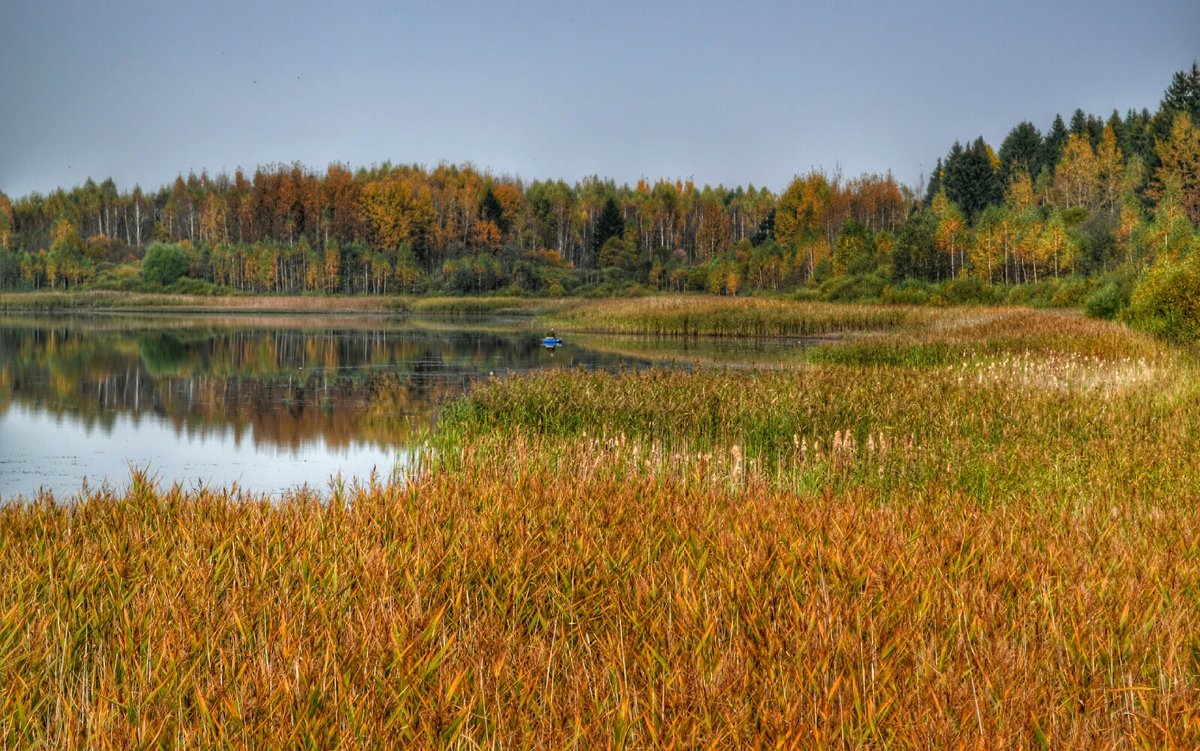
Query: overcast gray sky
point(724, 92)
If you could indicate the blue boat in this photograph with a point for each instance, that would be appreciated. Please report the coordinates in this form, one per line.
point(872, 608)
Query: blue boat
point(551, 342)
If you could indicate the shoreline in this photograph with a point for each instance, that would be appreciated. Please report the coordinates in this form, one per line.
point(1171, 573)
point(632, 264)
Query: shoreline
point(103, 301)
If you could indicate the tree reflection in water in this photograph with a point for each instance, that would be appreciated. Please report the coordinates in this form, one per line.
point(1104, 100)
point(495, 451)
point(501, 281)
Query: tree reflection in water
point(278, 380)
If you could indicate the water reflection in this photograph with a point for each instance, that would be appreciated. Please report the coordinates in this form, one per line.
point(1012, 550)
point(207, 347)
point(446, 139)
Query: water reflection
point(246, 391)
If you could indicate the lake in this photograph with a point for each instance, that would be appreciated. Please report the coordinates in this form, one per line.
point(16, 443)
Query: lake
point(268, 403)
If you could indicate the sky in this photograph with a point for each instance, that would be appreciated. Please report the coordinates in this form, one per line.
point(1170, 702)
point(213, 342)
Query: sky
point(731, 93)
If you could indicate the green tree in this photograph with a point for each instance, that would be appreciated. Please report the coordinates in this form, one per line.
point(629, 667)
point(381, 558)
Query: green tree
point(1183, 94)
point(490, 210)
point(164, 264)
point(935, 182)
point(972, 178)
point(916, 255)
point(1053, 143)
point(610, 224)
point(854, 252)
point(618, 253)
point(1167, 300)
point(1021, 153)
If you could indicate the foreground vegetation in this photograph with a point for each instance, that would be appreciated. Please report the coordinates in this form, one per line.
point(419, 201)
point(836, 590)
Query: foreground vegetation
point(977, 529)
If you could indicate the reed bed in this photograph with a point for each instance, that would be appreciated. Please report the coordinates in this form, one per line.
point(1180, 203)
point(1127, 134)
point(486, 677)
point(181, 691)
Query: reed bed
point(144, 301)
point(723, 316)
point(955, 336)
point(1106, 417)
point(477, 306)
point(999, 551)
point(531, 593)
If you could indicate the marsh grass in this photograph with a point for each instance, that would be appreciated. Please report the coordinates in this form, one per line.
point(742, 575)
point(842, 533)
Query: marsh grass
point(478, 306)
point(1068, 427)
point(302, 304)
point(954, 336)
point(531, 593)
point(722, 316)
point(998, 551)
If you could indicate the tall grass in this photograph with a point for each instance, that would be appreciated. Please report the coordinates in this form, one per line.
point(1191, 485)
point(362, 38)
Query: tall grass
point(721, 316)
point(1062, 427)
point(995, 551)
point(476, 306)
point(142, 301)
point(565, 595)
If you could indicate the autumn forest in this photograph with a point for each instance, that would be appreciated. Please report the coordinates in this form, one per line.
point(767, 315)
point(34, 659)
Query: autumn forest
point(1082, 208)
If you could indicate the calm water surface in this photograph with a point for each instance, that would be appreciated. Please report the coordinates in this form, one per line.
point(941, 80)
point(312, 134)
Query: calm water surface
point(266, 402)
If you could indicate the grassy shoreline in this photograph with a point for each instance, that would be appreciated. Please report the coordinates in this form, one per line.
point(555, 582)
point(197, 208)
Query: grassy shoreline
point(102, 301)
point(656, 316)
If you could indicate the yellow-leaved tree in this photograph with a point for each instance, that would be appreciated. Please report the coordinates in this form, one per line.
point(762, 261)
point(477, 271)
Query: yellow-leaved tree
point(1179, 157)
point(800, 218)
point(399, 210)
point(1077, 176)
point(950, 235)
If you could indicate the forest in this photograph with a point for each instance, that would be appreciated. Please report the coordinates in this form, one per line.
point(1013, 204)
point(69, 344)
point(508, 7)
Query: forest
point(1074, 215)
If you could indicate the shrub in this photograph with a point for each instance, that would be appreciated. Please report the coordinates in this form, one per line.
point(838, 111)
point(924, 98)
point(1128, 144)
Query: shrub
point(1110, 295)
point(862, 288)
point(163, 264)
point(1166, 302)
point(189, 286)
point(1106, 301)
point(968, 289)
point(907, 292)
point(1069, 293)
point(124, 278)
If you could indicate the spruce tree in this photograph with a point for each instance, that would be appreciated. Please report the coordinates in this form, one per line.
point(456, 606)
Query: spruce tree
point(971, 181)
point(935, 182)
point(1020, 153)
point(1183, 95)
point(491, 210)
point(611, 223)
point(1053, 143)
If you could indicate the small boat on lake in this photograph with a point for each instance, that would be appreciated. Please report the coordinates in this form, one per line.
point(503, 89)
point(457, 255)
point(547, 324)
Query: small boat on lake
point(551, 342)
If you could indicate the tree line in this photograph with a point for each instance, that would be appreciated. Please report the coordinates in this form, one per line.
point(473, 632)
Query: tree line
point(1085, 198)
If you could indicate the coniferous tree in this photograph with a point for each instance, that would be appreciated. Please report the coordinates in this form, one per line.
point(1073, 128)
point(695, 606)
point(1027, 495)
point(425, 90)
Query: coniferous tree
point(1133, 138)
point(766, 229)
point(1183, 95)
point(611, 223)
point(972, 180)
point(1021, 152)
point(1053, 143)
point(1079, 126)
point(935, 182)
point(491, 210)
